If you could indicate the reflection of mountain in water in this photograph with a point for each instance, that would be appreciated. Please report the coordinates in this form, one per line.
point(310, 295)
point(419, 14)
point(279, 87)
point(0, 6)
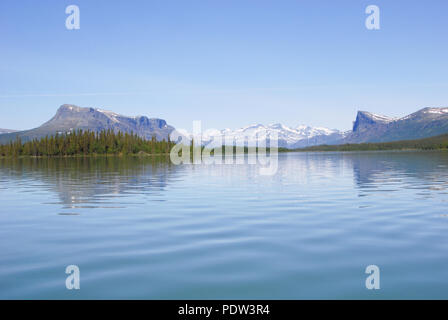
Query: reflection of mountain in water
point(111, 182)
point(370, 170)
point(92, 182)
point(385, 168)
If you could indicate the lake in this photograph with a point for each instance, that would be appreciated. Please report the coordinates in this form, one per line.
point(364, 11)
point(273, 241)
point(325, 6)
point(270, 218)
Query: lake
point(143, 228)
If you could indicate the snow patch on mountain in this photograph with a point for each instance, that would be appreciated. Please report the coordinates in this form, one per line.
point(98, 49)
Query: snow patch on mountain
point(258, 134)
point(111, 115)
point(2, 131)
point(437, 110)
point(379, 118)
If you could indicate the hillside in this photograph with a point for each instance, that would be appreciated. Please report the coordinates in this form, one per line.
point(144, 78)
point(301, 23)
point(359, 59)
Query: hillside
point(424, 123)
point(70, 118)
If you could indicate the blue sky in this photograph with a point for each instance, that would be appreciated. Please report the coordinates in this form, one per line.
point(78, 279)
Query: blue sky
point(228, 63)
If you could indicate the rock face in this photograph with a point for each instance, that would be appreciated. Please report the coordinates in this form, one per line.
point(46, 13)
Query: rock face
point(71, 117)
point(424, 123)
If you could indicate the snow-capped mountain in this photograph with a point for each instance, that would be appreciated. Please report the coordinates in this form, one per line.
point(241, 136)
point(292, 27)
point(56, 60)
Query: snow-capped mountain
point(301, 136)
point(368, 127)
point(424, 123)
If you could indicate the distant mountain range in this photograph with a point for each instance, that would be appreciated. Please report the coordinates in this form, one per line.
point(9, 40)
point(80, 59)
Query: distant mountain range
point(368, 127)
point(71, 117)
point(301, 136)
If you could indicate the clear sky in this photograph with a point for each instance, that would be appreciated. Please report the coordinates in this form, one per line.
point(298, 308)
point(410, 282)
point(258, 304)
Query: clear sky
point(229, 63)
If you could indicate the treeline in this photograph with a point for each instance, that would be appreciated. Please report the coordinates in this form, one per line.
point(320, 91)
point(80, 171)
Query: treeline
point(432, 143)
point(86, 143)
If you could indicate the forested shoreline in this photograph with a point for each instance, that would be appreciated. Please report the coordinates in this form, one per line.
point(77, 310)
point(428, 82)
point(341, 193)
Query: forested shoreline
point(432, 143)
point(108, 142)
point(83, 143)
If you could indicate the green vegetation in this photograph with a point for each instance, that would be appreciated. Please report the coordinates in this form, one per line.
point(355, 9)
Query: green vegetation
point(86, 143)
point(108, 142)
point(432, 143)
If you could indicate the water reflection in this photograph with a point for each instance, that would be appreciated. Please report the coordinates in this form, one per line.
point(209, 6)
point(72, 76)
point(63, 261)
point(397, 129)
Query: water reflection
point(409, 170)
point(224, 231)
point(102, 181)
point(90, 182)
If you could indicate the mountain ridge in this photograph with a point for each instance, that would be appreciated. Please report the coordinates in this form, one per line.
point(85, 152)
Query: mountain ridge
point(426, 122)
point(288, 137)
point(3, 131)
point(71, 117)
point(368, 127)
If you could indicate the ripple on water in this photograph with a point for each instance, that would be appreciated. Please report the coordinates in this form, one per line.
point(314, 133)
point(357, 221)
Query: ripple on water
point(139, 229)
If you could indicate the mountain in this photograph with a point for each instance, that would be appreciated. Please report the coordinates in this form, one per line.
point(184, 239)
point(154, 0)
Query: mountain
point(301, 136)
point(439, 142)
point(71, 117)
point(424, 123)
point(3, 131)
point(368, 127)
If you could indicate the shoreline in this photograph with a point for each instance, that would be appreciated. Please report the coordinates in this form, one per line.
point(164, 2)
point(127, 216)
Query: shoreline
point(148, 155)
point(136, 155)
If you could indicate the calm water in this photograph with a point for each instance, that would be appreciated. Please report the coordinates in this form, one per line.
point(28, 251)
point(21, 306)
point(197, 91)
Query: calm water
point(143, 228)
